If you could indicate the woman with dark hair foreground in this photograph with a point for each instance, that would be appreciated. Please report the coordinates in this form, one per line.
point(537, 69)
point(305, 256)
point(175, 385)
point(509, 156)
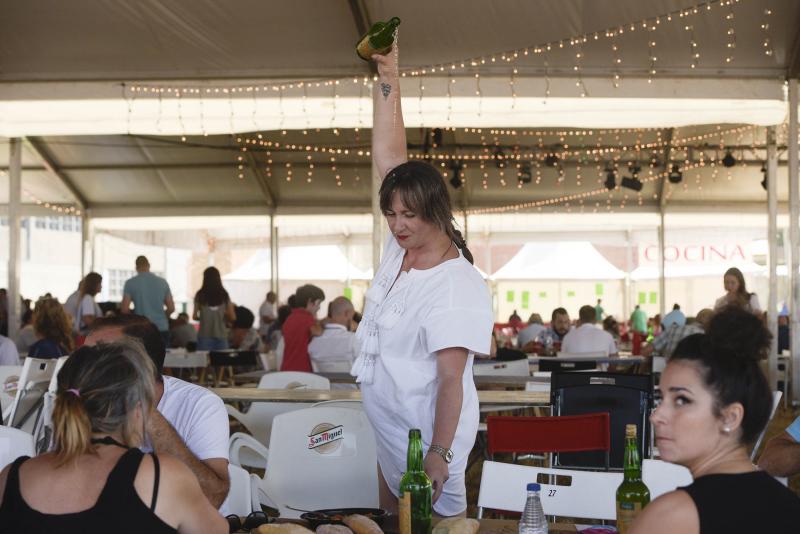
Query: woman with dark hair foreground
point(96, 480)
point(715, 402)
point(427, 313)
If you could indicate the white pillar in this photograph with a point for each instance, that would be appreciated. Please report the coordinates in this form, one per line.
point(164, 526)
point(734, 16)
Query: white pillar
point(84, 242)
point(794, 241)
point(772, 241)
point(273, 254)
point(14, 252)
point(377, 179)
point(662, 283)
point(626, 304)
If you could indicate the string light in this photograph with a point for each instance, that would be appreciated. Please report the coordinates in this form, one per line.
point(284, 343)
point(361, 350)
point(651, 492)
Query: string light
point(56, 208)
point(694, 54)
point(731, 44)
point(616, 80)
point(766, 43)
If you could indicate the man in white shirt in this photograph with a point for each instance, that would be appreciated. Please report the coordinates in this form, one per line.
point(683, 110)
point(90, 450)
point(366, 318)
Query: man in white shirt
point(190, 422)
point(267, 314)
point(587, 337)
point(337, 348)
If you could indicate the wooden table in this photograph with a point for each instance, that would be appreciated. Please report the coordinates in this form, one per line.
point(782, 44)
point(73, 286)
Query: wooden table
point(511, 398)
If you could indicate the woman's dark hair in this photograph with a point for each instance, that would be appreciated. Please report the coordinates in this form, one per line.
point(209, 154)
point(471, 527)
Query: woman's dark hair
point(728, 356)
point(51, 322)
point(742, 295)
point(283, 314)
point(91, 284)
point(244, 318)
point(211, 293)
point(422, 190)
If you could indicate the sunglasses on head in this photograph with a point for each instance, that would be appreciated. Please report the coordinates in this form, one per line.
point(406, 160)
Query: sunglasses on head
point(254, 520)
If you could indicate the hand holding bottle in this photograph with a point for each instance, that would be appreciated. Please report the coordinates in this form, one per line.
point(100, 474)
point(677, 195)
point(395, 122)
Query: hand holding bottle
point(437, 470)
point(387, 63)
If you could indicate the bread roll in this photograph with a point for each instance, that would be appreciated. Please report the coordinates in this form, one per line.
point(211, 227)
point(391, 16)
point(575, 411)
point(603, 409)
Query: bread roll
point(283, 528)
point(361, 524)
point(457, 525)
point(333, 529)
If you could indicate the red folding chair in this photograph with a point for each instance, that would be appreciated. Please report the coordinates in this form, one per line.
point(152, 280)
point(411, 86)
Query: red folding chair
point(564, 433)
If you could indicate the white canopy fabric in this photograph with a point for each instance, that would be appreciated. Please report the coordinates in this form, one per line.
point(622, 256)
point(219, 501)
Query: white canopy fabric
point(650, 272)
point(577, 260)
point(323, 262)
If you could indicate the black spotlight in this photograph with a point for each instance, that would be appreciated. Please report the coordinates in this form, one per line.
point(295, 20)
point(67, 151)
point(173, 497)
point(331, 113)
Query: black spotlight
point(455, 169)
point(438, 137)
point(499, 158)
point(611, 179)
point(764, 181)
point(728, 161)
point(524, 175)
point(675, 176)
point(632, 183)
point(551, 160)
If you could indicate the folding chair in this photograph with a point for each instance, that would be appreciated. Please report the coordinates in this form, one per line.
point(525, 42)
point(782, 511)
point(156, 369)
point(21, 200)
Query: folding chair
point(566, 433)
point(9, 377)
point(509, 368)
point(320, 458)
point(43, 428)
point(33, 383)
point(584, 494)
point(258, 419)
point(13, 444)
point(241, 499)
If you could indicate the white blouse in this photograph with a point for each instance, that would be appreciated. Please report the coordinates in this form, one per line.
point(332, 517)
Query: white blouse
point(426, 311)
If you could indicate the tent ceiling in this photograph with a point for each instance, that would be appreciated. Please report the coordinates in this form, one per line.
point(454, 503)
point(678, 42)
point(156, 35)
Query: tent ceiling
point(53, 50)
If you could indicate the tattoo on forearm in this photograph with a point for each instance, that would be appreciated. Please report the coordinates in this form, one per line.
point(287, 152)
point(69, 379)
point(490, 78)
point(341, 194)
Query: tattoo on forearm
point(385, 90)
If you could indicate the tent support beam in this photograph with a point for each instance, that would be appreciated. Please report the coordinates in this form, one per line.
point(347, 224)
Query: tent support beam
point(273, 254)
point(14, 237)
point(794, 239)
point(772, 241)
point(262, 180)
point(662, 197)
point(36, 144)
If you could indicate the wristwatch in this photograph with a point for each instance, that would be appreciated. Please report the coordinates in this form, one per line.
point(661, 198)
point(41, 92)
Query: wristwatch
point(447, 454)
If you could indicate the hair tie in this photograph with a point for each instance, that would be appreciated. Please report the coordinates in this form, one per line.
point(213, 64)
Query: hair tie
point(74, 391)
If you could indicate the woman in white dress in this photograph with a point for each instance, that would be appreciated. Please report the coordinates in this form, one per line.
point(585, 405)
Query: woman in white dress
point(737, 294)
point(427, 313)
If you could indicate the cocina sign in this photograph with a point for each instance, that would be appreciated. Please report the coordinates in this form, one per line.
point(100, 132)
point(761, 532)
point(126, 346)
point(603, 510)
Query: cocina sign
point(696, 253)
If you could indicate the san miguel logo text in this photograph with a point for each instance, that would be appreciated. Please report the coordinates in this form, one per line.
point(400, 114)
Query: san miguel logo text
point(323, 436)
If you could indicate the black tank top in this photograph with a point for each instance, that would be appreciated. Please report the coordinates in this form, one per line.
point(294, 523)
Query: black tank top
point(744, 503)
point(118, 509)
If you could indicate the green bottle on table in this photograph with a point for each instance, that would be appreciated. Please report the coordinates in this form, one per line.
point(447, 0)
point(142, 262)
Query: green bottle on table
point(414, 504)
point(632, 494)
point(378, 40)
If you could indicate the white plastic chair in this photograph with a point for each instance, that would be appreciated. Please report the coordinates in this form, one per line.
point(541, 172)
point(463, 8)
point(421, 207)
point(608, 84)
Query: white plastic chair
point(13, 444)
point(258, 419)
point(659, 364)
point(776, 400)
point(43, 429)
point(310, 471)
point(661, 477)
point(241, 499)
point(509, 368)
point(351, 404)
point(34, 382)
point(9, 377)
point(590, 494)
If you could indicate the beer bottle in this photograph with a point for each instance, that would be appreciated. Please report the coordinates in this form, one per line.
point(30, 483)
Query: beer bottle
point(632, 494)
point(414, 506)
point(378, 40)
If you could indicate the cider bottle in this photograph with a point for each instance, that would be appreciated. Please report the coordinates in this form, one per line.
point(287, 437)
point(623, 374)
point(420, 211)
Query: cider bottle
point(378, 40)
point(414, 506)
point(632, 494)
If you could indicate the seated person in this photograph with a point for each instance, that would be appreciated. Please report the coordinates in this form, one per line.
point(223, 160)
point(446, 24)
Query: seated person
point(715, 402)
point(587, 337)
point(189, 421)
point(559, 326)
point(182, 332)
point(781, 456)
point(664, 345)
point(96, 479)
point(53, 331)
point(611, 326)
point(676, 316)
point(337, 348)
point(242, 335)
point(530, 332)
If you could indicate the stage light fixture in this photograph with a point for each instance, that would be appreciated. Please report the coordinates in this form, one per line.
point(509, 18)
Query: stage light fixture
point(729, 161)
point(551, 160)
point(632, 183)
point(675, 175)
point(611, 179)
point(524, 174)
point(764, 181)
point(455, 170)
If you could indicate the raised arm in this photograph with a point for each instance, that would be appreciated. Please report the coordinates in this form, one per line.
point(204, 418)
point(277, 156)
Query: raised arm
point(388, 130)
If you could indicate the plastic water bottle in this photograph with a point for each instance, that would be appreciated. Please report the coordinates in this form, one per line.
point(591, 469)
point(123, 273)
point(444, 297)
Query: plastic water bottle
point(533, 520)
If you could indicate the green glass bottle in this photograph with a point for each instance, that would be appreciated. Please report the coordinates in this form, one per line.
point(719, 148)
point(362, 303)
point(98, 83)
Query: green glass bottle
point(632, 494)
point(378, 40)
point(414, 505)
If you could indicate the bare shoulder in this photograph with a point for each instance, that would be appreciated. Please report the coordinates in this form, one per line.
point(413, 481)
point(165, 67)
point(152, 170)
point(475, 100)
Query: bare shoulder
point(672, 512)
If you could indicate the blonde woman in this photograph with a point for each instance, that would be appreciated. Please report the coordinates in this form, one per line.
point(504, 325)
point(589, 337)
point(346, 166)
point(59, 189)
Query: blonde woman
point(52, 328)
point(96, 480)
